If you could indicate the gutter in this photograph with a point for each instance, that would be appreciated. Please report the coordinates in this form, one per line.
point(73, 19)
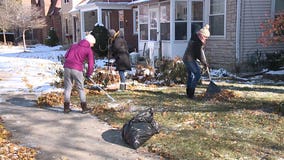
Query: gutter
point(238, 28)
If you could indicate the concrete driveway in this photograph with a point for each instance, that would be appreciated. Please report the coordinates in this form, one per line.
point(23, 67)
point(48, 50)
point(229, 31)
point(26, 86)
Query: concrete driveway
point(60, 136)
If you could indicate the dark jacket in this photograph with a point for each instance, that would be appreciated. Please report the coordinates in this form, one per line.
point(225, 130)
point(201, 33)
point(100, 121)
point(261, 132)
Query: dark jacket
point(76, 56)
point(120, 52)
point(194, 50)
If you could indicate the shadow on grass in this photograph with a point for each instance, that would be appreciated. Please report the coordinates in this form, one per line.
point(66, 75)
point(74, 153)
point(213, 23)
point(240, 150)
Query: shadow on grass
point(174, 102)
point(254, 88)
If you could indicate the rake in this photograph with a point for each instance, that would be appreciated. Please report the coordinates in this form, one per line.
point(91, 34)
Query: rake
point(212, 87)
point(97, 87)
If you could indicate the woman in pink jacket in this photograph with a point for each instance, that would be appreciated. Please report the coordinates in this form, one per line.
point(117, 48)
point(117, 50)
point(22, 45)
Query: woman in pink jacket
point(73, 70)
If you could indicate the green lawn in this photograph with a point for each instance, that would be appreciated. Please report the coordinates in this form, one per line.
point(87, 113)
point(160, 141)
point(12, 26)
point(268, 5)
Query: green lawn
point(245, 125)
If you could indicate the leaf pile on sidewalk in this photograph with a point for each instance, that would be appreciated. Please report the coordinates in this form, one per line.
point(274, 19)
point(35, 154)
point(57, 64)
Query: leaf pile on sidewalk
point(50, 99)
point(9, 150)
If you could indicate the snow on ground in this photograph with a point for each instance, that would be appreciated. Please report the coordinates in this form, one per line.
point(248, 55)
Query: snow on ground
point(35, 70)
point(31, 71)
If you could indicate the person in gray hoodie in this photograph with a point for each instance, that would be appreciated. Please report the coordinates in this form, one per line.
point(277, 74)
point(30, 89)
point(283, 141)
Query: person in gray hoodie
point(73, 70)
point(194, 52)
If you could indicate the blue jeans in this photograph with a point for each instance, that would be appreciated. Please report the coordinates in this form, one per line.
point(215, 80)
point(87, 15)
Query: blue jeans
point(122, 76)
point(193, 74)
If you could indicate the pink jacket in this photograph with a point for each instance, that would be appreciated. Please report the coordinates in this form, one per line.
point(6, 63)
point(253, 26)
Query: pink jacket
point(77, 54)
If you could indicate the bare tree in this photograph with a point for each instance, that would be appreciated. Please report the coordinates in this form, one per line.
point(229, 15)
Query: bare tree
point(6, 14)
point(28, 18)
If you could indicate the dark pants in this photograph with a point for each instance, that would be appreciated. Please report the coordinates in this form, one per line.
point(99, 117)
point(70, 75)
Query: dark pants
point(193, 74)
point(122, 76)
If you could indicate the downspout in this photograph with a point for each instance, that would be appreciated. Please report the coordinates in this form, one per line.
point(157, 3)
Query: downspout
point(238, 27)
point(82, 24)
point(172, 29)
point(100, 15)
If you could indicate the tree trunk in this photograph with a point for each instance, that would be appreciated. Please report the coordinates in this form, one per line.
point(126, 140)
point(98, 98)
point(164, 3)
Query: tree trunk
point(4, 35)
point(24, 40)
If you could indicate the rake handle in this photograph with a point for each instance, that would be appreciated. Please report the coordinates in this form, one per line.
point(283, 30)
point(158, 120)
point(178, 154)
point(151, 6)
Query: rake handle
point(110, 97)
point(208, 72)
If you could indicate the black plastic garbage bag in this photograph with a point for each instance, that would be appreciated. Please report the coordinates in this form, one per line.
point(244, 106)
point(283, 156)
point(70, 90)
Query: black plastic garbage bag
point(139, 129)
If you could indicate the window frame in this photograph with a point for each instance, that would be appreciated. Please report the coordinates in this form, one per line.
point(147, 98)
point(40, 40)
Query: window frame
point(175, 20)
point(219, 14)
point(273, 9)
point(274, 14)
point(141, 22)
point(163, 5)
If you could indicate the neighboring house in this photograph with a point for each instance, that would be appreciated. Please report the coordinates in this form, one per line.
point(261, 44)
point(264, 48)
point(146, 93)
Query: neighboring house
point(50, 9)
point(80, 17)
point(164, 27)
point(71, 31)
point(53, 17)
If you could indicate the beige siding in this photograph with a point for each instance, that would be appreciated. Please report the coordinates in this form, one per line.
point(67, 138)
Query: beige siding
point(254, 12)
point(221, 52)
point(65, 8)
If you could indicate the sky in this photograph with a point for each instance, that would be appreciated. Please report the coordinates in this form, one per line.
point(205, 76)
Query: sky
point(34, 70)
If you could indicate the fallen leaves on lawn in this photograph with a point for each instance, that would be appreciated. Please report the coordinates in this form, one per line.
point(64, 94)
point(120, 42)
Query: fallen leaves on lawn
point(223, 95)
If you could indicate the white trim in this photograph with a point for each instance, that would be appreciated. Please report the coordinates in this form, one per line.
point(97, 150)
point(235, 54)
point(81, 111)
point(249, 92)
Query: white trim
point(272, 8)
point(238, 27)
point(225, 19)
point(137, 2)
point(82, 26)
point(104, 5)
point(135, 10)
point(172, 27)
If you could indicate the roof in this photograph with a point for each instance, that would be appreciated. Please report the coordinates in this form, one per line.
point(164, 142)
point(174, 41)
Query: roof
point(137, 2)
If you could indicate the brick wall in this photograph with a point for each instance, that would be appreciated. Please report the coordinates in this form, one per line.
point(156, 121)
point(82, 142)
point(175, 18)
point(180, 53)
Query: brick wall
point(221, 52)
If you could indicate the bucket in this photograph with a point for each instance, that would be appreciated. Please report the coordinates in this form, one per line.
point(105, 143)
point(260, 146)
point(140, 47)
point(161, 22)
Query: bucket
point(134, 58)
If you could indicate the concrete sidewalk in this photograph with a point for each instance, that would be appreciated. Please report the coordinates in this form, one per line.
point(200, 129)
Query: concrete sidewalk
point(60, 136)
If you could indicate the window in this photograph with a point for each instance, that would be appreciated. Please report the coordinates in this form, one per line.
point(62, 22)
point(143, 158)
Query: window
point(196, 16)
point(143, 14)
point(66, 26)
point(135, 21)
point(279, 8)
point(165, 21)
point(181, 20)
point(217, 17)
point(66, 1)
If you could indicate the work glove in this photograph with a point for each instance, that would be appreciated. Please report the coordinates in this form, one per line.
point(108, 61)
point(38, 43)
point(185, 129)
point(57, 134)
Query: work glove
point(88, 78)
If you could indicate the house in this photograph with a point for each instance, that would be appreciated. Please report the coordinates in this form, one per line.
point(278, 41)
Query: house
point(164, 27)
point(50, 9)
point(80, 17)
